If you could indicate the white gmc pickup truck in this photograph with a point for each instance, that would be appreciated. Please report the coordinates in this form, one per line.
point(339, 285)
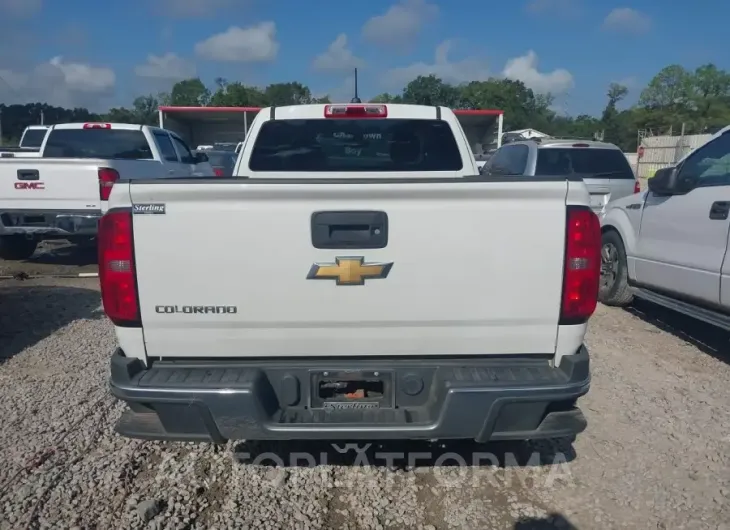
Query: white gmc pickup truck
point(356, 279)
point(62, 192)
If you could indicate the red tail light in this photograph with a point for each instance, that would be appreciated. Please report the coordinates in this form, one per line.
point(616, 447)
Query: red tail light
point(116, 268)
point(97, 125)
point(107, 178)
point(218, 172)
point(637, 187)
point(582, 266)
point(355, 111)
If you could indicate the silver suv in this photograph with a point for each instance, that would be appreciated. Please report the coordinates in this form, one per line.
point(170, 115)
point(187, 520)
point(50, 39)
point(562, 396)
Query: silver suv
point(603, 166)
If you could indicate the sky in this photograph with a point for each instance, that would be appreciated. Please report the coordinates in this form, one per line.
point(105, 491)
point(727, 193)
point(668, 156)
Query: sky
point(98, 55)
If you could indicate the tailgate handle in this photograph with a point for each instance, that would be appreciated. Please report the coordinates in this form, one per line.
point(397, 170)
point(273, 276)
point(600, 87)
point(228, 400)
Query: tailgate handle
point(28, 174)
point(349, 229)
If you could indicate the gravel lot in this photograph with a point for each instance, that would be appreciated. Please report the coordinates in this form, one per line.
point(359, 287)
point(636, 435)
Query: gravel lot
point(53, 257)
point(656, 453)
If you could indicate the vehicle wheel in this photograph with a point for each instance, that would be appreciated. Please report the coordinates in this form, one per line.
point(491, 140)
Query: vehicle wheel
point(17, 247)
point(614, 288)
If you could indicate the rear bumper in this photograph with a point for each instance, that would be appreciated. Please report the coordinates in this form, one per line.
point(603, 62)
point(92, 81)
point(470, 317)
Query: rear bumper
point(506, 398)
point(59, 223)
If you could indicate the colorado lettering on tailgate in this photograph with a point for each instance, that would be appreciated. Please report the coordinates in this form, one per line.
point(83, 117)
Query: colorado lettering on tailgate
point(197, 309)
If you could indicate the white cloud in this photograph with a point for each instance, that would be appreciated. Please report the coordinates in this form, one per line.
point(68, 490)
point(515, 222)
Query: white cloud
point(84, 78)
point(168, 67)
point(524, 68)
point(338, 57)
point(58, 82)
point(20, 8)
point(400, 24)
point(469, 69)
point(254, 44)
point(197, 8)
point(627, 20)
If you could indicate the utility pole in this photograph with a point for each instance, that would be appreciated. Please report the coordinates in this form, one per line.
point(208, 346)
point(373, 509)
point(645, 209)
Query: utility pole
point(43, 120)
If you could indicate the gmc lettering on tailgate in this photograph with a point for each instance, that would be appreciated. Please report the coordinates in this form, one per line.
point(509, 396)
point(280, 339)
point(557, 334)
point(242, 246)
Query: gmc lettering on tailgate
point(30, 186)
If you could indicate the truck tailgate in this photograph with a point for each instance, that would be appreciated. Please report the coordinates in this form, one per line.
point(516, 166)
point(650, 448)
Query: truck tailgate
point(226, 269)
point(37, 184)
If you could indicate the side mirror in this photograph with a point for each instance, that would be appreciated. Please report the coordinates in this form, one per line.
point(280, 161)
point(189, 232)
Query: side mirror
point(664, 182)
point(200, 158)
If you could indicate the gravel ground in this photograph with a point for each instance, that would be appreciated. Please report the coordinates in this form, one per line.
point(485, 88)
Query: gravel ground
point(655, 454)
point(53, 257)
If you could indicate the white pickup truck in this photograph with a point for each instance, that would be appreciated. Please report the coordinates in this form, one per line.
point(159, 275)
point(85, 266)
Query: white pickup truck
point(356, 279)
point(30, 143)
point(63, 193)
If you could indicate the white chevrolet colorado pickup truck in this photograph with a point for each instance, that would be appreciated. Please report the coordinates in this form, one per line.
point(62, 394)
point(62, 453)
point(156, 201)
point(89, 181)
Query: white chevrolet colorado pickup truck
point(356, 279)
point(62, 193)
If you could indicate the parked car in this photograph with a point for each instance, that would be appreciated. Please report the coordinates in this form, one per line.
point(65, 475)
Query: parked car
point(222, 162)
point(602, 166)
point(62, 193)
point(669, 244)
point(335, 304)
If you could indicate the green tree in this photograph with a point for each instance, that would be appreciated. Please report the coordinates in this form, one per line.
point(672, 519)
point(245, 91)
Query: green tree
point(145, 108)
point(189, 93)
point(387, 98)
point(709, 92)
point(238, 95)
point(670, 88)
point(294, 93)
point(430, 90)
point(522, 107)
point(120, 115)
point(614, 123)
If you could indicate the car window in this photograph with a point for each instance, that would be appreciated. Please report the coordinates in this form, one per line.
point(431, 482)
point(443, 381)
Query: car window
point(225, 159)
point(115, 144)
point(33, 138)
point(351, 145)
point(710, 164)
point(166, 148)
point(186, 157)
point(510, 160)
point(583, 161)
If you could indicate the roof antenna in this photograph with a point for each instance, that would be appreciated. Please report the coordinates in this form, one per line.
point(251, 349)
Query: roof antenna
point(356, 99)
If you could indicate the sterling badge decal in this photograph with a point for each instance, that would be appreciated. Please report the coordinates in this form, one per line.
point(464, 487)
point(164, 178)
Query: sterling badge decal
point(149, 208)
point(349, 271)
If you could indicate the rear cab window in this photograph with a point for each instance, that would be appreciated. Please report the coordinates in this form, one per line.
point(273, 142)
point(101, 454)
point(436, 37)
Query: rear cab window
point(584, 162)
point(355, 145)
point(113, 144)
point(33, 138)
point(225, 159)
